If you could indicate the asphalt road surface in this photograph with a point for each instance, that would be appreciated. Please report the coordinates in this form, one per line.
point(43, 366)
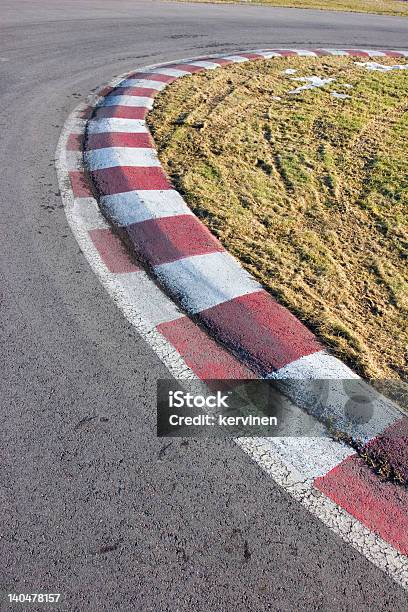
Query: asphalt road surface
point(93, 505)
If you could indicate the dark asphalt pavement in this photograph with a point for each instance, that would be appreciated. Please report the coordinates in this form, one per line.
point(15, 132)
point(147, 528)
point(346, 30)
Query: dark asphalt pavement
point(93, 505)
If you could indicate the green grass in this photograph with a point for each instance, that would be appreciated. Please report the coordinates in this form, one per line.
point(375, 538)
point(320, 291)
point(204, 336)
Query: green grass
point(380, 7)
point(308, 191)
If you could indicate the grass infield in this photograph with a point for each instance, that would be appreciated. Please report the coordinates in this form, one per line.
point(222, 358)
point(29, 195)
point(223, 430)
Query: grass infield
point(309, 191)
point(379, 7)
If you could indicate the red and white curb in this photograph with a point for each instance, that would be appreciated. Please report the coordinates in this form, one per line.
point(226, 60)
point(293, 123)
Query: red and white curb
point(203, 283)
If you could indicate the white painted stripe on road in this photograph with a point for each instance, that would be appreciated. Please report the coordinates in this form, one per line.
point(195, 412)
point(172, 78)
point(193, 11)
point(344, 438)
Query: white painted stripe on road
point(143, 83)
point(133, 101)
point(86, 211)
point(117, 124)
point(203, 281)
point(310, 457)
point(111, 157)
point(142, 205)
point(78, 125)
point(74, 159)
point(140, 291)
point(113, 283)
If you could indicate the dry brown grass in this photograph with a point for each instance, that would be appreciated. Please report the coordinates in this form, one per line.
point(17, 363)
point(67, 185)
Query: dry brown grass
point(308, 191)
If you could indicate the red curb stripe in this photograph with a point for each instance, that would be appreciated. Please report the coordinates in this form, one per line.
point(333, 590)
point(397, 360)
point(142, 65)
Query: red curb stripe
point(392, 446)
point(380, 506)
point(75, 142)
point(105, 91)
point(153, 76)
point(123, 112)
point(112, 251)
point(86, 113)
point(202, 354)
point(357, 52)
point(187, 68)
point(167, 239)
point(218, 60)
point(119, 139)
point(393, 54)
point(284, 52)
point(251, 56)
point(222, 62)
point(128, 178)
point(80, 184)
point(145, 92)
point(261, 329)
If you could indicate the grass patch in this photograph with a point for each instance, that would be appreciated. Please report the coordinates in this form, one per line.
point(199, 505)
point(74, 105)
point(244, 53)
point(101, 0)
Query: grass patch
point(379, 7)
point(308, 191)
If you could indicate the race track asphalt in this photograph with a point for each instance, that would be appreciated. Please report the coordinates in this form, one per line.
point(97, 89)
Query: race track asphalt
point(93, 505)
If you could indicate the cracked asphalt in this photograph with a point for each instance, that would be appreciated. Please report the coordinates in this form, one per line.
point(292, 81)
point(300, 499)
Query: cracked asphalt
point(93, 505)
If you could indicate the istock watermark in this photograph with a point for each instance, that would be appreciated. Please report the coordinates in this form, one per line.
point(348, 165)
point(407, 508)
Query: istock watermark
point(269, 408)
point(179, 399)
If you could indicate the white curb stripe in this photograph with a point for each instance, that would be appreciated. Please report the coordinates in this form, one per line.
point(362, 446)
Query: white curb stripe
point(236, 58)
point(304, 53)
point(335, 52)
point(111, 157)
point(116, 124)
point(330, 400)
point(133, 101)
point(173, 72)
point(267, 54)
point(143, 83)
point(374, 53)
point(204, 64)
point(317, 366)
point(203, 281)
point(142, 205)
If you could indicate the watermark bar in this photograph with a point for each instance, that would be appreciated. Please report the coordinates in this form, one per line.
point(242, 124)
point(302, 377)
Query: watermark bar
point(268, 408)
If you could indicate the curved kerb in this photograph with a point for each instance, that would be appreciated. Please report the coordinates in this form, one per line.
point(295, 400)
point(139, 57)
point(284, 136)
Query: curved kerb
point(333, 482)
point(192, 266)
